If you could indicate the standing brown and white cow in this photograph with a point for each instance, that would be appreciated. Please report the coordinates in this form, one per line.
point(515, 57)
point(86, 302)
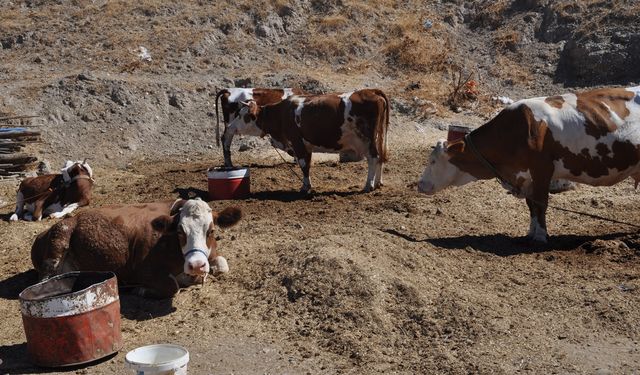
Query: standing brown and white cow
point(591, 137)
point(54, 195)
point(151, 245)
point(230, 99)
point(302, 124)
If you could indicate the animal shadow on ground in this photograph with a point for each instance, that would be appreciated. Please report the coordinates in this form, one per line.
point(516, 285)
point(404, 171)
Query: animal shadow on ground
point(503, 245)
point(191, 192)
point(13, 285)
point(138, 308)
point(15, 360)
point(291, 196)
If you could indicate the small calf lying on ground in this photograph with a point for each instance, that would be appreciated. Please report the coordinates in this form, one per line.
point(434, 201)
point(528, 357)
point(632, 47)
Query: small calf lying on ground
point(54, 195)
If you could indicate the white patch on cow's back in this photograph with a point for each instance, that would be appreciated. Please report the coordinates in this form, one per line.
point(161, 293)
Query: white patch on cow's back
point(287, 93)
point(567, 127)
point(237, 95)
point(299, 102)
point(346, 98)
point(351, 138)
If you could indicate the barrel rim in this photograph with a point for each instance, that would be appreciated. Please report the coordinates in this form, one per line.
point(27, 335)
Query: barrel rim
point(94, 296)
point(227, 173)
point(62, 276)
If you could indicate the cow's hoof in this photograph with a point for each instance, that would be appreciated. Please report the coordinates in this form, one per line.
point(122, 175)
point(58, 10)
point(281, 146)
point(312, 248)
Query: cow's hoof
point(368, 189)
point(13, 217)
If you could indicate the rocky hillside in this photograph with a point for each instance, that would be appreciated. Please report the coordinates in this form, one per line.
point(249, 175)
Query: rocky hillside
point(122, 80)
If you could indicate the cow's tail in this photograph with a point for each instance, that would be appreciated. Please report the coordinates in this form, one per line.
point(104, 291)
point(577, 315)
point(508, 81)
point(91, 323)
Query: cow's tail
point(218, 95)
point(382, 128)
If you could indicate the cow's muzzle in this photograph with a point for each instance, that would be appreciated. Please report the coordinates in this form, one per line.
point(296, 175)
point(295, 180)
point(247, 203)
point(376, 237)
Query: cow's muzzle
point(197, 265)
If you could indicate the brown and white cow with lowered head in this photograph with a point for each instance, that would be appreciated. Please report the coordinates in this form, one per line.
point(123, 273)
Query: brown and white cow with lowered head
point(591, 137)
point(54, 195)
point(148, 245)
point(302, 124)
point(230, 99)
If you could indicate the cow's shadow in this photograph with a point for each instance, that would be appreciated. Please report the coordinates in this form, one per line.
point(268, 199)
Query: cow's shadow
point(15, 360)
point(503, 245)
point(292, 196)
point(13, 285)
point(134, 307)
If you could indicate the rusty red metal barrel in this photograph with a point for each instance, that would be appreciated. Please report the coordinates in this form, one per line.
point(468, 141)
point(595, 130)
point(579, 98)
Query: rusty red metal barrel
point(71, 319)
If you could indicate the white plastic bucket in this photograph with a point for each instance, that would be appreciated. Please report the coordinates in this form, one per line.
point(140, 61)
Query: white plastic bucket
point(160, 359)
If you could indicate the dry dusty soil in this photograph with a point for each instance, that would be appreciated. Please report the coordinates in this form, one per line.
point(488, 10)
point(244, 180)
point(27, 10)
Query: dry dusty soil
point(387, 282)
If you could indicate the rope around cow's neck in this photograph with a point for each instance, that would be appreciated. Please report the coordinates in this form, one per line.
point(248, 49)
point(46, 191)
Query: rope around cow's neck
point(508, 186)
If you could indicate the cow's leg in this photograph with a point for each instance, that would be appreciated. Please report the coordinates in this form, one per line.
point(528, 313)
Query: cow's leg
point(305, 164)
point(19, 207)
point(370, 183)
point(227, 138)
point(38, 208)
point(303, 158)
point(378, 180)
point(66, 210)
point(538, 202)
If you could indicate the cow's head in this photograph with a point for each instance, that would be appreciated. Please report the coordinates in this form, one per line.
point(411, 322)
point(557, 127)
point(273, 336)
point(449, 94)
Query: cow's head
point(72, 170)
point(440, 171)
point(245, 119)
point(193, 222)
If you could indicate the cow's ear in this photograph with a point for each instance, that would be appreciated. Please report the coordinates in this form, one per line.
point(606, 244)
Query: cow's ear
point(227, 217)
point(253, 110)
point(165, 223)
point(176, 206)
point(455, 147)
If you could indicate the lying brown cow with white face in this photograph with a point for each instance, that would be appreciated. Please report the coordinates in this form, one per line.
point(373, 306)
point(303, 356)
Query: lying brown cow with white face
point(144, 244)
point(302, 124)
point(54, 195)
point(230, 99)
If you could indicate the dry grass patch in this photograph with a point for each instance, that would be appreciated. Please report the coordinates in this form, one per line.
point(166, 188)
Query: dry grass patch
point(507, 40)
point(509, 70)
point(411, 47)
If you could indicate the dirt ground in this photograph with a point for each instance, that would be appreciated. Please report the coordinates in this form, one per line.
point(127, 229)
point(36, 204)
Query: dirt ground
point(387, 282)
